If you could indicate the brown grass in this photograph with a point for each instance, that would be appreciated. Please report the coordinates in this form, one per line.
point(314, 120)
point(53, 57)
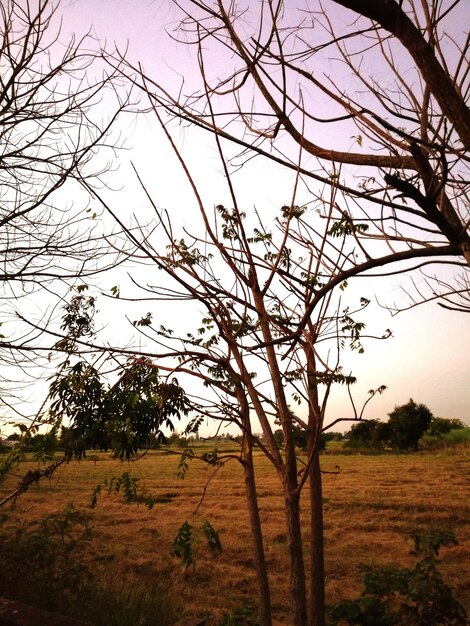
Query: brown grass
point(372, 506)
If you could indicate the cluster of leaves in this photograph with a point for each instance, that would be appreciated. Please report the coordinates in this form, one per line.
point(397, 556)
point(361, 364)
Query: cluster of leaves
point(78, 319)
point(231, 220)
point(183, 464)
point(347, 226)
point(125, 484)
point(124, 417)
point(406, 596)
point(187, 541)
point(182, 254)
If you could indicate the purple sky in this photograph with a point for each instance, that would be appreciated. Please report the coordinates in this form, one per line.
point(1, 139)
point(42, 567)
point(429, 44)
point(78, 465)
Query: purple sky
point(428, 356)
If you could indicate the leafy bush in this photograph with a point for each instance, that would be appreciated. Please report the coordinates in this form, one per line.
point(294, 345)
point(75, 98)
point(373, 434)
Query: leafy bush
point(45, 564)
point(45, 559)
point(415, 596)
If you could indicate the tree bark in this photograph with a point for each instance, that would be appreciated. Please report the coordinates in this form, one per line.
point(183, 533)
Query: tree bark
point(256, 533)
point(294, 538)
point(317, 575)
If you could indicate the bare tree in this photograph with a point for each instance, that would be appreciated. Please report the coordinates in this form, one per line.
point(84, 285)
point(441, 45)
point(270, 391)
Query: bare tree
point(52, 142)
point(370, 97)
point(390, 185)
point(271, 336)
point(366, 103)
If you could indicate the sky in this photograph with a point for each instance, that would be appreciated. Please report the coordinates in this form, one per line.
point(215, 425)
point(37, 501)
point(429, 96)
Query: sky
point(427, 358)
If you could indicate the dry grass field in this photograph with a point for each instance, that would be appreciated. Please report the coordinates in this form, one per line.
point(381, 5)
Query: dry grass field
point(372, 506)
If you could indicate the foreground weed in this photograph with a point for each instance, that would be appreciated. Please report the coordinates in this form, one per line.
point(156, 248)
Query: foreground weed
point(415, 596)
point(243, 616)
point(44, 562)
point(143, 606)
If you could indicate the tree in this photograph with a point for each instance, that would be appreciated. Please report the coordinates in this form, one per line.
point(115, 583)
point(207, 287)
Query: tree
point(391, 189)
point(377, 110)
point(395, 196)
point(89, 411)
point(126, 416)
point(50, 137)
point(363, 433)
point(407, 424)
point(441, 425)
point(260, 349)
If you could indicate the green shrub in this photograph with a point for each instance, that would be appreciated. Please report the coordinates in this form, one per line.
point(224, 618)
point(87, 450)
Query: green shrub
point(43, 560)
point(415, 596)
point(44, 563)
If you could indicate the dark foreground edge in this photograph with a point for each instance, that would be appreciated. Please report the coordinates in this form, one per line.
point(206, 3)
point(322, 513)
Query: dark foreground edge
point(14, 613)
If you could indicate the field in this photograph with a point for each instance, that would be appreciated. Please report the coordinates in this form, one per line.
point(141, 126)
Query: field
point(372, 506)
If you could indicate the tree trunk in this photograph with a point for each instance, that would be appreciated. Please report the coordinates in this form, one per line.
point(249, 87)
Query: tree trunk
point(256, 534)
point(294, 538)
point(317, 576)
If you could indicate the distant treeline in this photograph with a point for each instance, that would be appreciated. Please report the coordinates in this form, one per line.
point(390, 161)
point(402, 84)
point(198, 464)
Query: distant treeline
point(410, 427)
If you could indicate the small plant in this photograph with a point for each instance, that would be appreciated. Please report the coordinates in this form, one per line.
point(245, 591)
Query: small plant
point(186, 542)
point(46, 561)
point(125, 484)
point(46, 557)
point(242, 616)
point(415, 596)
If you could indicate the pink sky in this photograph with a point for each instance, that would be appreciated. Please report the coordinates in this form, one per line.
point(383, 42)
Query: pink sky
point(428, 356)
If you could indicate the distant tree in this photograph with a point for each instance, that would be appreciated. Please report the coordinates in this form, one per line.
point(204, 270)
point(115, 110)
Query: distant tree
point(333, 436)
point(177, 440)
point(441, 425)
point(407, 425)
point(279, 436)
point(362, 433)
point(300, 439)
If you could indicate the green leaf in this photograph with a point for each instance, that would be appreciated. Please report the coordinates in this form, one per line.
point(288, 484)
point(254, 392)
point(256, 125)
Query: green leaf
point(183, 464)
point(127, 483)
point(94, 496)
point(213, 539)
point(144, 321)
point(183, 546)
